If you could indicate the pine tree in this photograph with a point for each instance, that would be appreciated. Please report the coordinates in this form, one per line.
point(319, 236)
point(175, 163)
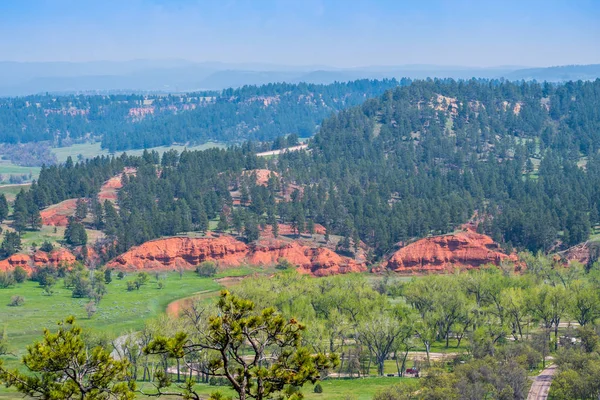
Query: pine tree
point(75, 233)
point(223, 224)
point(3, 207)
point(97, 213)
point(202, 220)
point(81, 209)
point(20, 212)
point(11, 244)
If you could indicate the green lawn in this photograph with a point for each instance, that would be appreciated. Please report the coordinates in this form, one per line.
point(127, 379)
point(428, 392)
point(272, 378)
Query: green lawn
point(333, 389)
point(91, 150)
point(118, 311)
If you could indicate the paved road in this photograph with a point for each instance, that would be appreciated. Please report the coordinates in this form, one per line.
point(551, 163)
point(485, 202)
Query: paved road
point(541, 385)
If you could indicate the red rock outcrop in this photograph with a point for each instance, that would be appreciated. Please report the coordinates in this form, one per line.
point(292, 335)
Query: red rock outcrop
point(225, 250)
point(184, 251)
point(262, 175)
point(444, 253)
point(108, 191)
point(58, 214)
point(56, 257)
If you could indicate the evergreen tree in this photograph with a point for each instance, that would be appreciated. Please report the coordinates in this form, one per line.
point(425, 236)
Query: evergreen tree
point(75, 233)
point(81, 209)
point(3, 207)
point(11, 244)
point(223, 223)
point(20, 215)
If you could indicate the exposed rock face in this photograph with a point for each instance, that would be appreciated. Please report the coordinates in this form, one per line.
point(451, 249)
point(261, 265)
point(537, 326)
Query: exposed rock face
point(40, 258)
point(262, 175)
point(319, 261)
point(181, 251)
point(225, 250)
point(444, 253)
point(55, 257)
point(109, 190)
point(58, 214)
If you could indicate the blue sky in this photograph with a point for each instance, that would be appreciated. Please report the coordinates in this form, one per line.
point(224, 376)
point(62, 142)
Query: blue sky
point(343, 33)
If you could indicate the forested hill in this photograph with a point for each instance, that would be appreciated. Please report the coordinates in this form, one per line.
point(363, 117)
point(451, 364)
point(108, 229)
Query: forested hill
point(518, 160)
point(425, 158)
point(135, 121)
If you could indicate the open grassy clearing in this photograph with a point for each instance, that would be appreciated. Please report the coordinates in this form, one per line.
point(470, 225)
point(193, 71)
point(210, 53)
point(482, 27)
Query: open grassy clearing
point(7, 169)
point(91, 150)
point(334, 389)
point(10, 191)
point(118, 311)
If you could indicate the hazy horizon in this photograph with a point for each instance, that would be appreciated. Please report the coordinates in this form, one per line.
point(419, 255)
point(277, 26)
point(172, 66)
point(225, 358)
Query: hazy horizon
point(324, 33)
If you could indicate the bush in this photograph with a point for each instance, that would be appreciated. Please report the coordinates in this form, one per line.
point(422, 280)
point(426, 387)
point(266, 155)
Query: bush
point(120, 275)
point(7, 279)
point(206, 269)
point(283, 264)
point(318, 388)
point(218, 381)
point(16, 301)
point(19, 274)
point(90, 308)
point(131, 286)
point(47, 247)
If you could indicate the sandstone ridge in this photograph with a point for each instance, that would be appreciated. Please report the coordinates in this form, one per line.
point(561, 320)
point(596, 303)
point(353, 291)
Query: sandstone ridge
point(56, 257)
point(445, 253)
point(187, 252)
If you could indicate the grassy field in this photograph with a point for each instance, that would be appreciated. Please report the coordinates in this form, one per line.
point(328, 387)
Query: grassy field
point(10, 191)
point(118, 311)
point(7, 169)
point(333, 389)
point(91, 150)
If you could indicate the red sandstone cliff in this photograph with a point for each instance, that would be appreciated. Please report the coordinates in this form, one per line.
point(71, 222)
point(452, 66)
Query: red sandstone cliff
point(444, 253)
point(184, 251)
point(225, 250)
point(55, 257)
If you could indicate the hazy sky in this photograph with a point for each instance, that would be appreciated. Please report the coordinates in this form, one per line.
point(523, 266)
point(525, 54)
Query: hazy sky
point(340, 33)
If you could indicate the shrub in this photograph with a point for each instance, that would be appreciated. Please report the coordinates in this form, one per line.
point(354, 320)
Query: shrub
point(131, 286)
point(161, 284)
point(19, 274)
point(6, 279)
point(206, 269)
point(218, 381)
point(16, 301)
point(318, 388)
point(90, 309)
point(283, 264)
point(141, 280)
point(107, 276)
point(47, 247)
point(120, 275)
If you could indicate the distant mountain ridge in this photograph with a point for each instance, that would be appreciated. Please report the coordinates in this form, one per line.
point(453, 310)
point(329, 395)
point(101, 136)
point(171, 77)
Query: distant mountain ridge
point(23, 78)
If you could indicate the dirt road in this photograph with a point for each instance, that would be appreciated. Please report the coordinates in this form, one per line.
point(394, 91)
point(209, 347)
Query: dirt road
point(541, 385)
point(275, 152)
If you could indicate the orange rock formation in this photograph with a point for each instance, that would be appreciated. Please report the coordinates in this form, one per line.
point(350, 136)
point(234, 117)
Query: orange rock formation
point(225, 250)
point(184, 251)
point(56, 257)
point(58, 214)
point(262, 175)
point(444, 253)
point(109, 190)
